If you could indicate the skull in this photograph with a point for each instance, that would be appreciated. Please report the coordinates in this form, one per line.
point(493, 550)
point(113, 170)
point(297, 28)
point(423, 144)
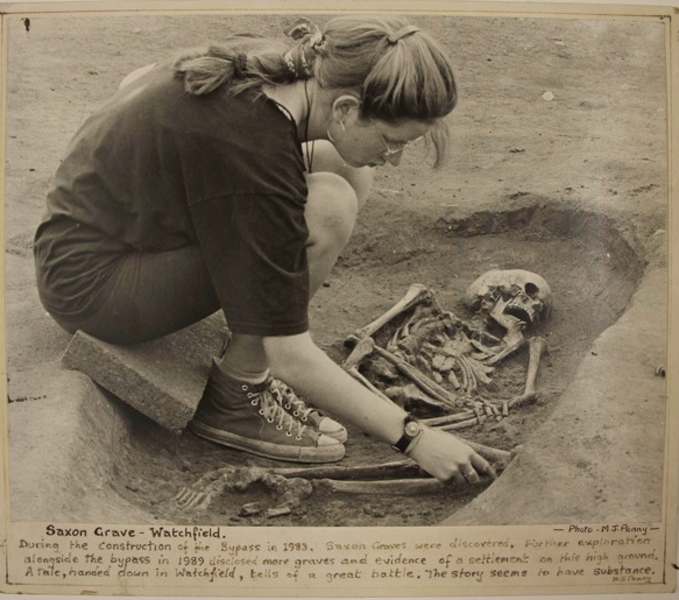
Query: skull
point(522, 294)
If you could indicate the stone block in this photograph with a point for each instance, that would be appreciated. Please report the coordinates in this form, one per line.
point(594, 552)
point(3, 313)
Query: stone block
point(163, 379)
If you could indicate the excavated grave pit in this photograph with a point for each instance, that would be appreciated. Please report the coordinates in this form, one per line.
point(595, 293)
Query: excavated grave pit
point(593, 273)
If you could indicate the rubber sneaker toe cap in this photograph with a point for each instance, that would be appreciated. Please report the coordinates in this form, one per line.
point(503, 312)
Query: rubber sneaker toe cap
point(333, 429)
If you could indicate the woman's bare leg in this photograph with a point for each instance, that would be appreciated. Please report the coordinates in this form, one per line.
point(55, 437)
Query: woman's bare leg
point(332, 205)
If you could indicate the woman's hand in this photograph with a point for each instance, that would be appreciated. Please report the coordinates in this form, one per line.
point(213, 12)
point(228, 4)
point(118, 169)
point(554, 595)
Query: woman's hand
point(448, 458)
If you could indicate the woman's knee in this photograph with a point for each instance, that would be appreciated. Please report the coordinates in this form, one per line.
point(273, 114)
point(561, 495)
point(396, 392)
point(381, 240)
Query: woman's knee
point(331, 211)
point(327, 160)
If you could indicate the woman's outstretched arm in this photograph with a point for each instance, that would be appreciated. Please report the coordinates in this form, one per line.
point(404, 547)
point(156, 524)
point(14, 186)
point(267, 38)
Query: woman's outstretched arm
point(299, 362)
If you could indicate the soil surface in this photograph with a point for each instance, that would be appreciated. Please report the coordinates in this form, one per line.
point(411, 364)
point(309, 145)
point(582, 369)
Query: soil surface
point(570, 184)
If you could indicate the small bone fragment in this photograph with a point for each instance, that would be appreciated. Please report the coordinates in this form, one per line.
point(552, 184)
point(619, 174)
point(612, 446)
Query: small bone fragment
point(278, 511)
point(442, 363)
point(448, 364)
point(505, 408)
point(396, 487)
point(383, 369)
point(437, 361)
point(452, 378)
point(392, 344)
point(250, 509)
point(415, 294)
point(438, 378)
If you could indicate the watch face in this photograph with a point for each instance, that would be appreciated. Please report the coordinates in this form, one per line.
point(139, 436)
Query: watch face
point(412, 429)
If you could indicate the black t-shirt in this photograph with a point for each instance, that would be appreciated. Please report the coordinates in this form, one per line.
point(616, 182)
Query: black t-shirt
point(156, 168)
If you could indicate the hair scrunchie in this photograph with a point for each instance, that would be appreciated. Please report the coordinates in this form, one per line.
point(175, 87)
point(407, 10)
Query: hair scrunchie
point(393, 38)
point(240, 66)
point(310, 43)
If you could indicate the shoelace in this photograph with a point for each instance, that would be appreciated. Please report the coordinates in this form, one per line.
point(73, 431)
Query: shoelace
point(273, 412)
point(287, 397)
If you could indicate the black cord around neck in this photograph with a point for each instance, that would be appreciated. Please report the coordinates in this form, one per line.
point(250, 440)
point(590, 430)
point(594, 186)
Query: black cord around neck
point(309, 154)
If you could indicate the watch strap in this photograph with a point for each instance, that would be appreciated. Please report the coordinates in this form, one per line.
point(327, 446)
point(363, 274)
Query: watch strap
point(407, 438)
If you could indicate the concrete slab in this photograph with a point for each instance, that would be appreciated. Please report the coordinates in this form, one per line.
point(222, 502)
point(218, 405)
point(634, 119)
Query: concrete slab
point(583, 463)
point(163, 379)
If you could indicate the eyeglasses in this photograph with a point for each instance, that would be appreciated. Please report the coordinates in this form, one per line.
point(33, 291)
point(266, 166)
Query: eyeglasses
point(392, 148)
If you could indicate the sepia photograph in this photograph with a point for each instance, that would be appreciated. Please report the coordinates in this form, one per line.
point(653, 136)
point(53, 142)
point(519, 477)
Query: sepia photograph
point(338, 269)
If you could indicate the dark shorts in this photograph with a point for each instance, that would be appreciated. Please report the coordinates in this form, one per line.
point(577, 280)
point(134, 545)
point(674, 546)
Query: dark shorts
point(144, 295)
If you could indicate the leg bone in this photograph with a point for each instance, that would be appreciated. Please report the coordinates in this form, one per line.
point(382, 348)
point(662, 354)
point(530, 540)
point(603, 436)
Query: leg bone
point(397, 487)
point(536, 347)
point(416, 293)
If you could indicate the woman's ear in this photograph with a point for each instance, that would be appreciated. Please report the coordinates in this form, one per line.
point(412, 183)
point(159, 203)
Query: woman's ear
point(343, 106)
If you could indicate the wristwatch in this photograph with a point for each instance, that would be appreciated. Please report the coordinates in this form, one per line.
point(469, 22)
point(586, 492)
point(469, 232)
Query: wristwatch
point(412, 428)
